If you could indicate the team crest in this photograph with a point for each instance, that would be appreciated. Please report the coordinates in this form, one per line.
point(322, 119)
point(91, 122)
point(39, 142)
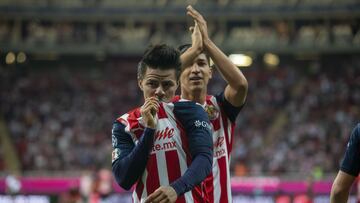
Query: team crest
point(211, 111)
point(115, 154)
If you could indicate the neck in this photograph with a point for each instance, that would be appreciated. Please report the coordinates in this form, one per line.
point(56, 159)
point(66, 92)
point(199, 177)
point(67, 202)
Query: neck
point(198, 96)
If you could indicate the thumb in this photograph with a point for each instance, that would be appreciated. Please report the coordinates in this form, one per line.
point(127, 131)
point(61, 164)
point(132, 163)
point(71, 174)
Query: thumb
point(191, 29)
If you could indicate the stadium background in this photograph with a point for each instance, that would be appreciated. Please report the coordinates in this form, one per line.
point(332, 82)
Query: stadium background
point(68, 69)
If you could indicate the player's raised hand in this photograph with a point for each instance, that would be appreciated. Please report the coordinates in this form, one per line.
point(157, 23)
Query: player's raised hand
point(200, 20)
point(148, 111)
point(164, 194)
point(196, 37)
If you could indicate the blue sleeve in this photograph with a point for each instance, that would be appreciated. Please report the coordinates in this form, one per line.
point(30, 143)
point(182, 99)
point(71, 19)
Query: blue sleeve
point(199, 133)
point(230, 110)
point(129, 160)
point(351, 161)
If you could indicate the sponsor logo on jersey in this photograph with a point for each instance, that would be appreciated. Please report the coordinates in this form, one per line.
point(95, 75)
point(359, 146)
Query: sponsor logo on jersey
point(166, 133)
point(203, 124)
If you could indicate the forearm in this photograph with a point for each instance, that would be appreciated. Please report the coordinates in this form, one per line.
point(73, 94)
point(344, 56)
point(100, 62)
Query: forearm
point(189, 56)
point(129, 168)
point(194, 175)
point(231, 74)
point(339, 196)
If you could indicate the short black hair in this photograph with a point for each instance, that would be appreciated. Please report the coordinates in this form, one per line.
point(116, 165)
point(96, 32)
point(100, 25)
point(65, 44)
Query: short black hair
point(184, 47)
point(160, 56)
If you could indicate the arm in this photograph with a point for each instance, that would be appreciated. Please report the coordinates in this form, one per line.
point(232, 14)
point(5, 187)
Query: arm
point(129, 161)
point(350, 168)
point(230, 110)
point(200, 145)
point(341, 187)
point(190, 54)
point(236, 90)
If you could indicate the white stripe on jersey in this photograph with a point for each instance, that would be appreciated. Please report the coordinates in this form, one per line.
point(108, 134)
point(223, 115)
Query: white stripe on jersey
point(163, 174)
point(216, 181)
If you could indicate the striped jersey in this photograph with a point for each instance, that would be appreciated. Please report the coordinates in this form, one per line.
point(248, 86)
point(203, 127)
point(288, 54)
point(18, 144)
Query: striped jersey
point(222, 117)
point(170, 155)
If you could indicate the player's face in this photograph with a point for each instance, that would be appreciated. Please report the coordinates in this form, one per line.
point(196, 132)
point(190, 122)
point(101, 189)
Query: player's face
point(159, 83)
point(196, 76)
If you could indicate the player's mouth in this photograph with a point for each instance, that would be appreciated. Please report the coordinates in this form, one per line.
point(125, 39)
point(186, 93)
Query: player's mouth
point(195, 78)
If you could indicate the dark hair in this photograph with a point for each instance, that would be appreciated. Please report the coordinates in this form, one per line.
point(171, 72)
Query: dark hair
point(161, 57)
point(184, 47)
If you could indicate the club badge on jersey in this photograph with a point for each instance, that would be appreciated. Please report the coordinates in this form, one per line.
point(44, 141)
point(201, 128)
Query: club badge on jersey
point(211, 111)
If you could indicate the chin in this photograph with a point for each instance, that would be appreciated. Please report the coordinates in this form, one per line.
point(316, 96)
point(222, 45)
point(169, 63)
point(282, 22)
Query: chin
point(196, 88)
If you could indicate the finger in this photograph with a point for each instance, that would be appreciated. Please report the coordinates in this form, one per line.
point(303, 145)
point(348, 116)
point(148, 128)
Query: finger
point(192, 10)
point(165, 201)
point(159, 198)
point(155, 99)
point(191, 29)
point(153, 109)
point(152, 196)
point(191, 14)
point(152, 101)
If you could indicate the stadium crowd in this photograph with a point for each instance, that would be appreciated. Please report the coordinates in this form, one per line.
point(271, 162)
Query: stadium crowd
point(131, 33)
point(296, 119)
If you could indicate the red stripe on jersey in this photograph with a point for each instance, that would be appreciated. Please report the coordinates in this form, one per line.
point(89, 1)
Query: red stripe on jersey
point(216, 124)
point(173, 169)
point(198, 194)
point(162, 113)
point(223, 179)
point(139, 188)
point(210, 187)
point(134, 125)
point(152, 180)
point(173, 165)
point(225, 124)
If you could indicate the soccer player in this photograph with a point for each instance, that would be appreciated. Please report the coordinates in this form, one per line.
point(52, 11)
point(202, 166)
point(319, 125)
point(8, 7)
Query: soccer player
point(349, 169)
point(222, 108)
point(164, 147)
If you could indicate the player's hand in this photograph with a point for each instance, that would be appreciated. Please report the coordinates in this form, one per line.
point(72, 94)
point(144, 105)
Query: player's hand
point(164, 194)
point(196, 37)
point(200, 21)
point(149, 111)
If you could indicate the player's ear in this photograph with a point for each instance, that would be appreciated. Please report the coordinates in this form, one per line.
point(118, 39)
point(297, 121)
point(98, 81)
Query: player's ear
point(210, 72)
point(140, 84)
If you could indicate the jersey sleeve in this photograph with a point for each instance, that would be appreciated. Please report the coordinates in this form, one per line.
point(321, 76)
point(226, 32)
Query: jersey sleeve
point(199, 134)
point(129, 160)
point(231, 111)
point(351, 162)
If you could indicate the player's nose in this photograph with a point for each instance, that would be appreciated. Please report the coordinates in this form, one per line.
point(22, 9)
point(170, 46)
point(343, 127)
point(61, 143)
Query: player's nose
point(195, 68)
point(159, 93)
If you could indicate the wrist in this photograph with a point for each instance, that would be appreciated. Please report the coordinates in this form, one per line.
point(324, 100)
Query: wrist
point(196, 50)
point(207, 42)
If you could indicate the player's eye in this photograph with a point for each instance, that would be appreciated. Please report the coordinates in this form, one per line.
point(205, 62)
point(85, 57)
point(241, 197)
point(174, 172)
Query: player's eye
point(167, 84)
point(201, 63)
point(152, 84)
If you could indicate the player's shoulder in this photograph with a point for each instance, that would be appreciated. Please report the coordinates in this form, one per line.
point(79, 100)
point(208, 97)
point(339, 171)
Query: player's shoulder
point(356, 132)
point(130, 116)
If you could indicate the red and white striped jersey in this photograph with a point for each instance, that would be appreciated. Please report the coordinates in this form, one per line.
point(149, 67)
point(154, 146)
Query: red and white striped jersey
point(169, 157)
point(218, 184)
